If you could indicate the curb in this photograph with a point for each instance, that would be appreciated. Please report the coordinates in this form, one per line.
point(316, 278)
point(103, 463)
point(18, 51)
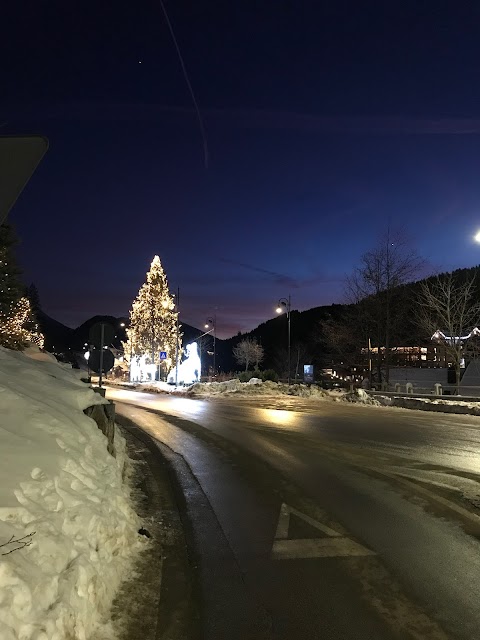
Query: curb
point(177, 616)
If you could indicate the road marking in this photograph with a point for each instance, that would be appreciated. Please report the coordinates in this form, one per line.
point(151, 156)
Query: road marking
point(284, 523)
point(335, 545)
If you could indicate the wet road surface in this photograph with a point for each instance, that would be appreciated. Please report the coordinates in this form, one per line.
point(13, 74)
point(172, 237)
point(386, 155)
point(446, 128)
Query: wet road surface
point(307, 519)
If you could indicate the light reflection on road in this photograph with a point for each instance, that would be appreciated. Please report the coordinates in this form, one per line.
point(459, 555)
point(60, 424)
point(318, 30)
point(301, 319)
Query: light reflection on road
point(277, 417)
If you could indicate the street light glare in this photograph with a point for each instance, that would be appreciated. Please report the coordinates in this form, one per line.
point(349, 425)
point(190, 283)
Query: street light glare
point(206, 326)
point(476, 237)
point(279, 309)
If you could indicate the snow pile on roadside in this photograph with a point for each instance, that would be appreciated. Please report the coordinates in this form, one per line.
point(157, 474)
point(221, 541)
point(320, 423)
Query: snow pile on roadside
point(254, 387)
point(147, 387)
point(306, 391)
point(257, 388)
point(159, 387)
point(216, 388)
point(67, 529)
point(360, 396)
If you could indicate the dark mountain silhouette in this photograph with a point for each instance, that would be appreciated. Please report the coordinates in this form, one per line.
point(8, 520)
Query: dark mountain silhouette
point(57, 335)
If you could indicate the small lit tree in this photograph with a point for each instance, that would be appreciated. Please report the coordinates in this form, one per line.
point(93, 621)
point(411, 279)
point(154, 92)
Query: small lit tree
point(18, 326)
point(153, 320)
point(10, 284)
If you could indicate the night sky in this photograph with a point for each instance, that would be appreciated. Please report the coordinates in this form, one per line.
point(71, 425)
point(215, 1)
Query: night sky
point(326, 121)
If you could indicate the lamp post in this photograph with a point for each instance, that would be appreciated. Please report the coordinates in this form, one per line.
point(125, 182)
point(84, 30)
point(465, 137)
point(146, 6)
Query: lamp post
point(213, 322)
point(177, 311)
point(285, 304)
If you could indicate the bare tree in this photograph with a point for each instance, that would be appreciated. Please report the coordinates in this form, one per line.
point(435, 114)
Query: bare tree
point(247, 352)
point(343, 338)
point(375, 287)
point(258, 354)
point(448, 312)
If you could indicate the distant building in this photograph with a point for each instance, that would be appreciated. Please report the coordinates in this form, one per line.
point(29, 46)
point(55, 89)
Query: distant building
point(429, 355)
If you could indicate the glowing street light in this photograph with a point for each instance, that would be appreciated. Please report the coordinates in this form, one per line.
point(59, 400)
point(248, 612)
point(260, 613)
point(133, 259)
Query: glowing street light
point(285, 304)
point(476, 237)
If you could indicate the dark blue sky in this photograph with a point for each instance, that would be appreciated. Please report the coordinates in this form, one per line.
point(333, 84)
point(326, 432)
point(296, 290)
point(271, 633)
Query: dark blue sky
point(325, 121)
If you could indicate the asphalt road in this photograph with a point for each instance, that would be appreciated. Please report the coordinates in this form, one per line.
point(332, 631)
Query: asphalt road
point(326, 520)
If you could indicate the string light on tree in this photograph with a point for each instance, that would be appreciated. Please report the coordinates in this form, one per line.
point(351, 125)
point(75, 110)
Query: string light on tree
point(153, 323)
point(18, 327)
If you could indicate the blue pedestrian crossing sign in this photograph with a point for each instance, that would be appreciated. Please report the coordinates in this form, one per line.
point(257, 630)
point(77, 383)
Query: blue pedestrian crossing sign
point(163, 355)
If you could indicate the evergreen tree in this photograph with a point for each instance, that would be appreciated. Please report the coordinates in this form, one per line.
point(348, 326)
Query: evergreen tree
point(153, 320)
point(33, 296)
point(18, 326)
point(10, 284)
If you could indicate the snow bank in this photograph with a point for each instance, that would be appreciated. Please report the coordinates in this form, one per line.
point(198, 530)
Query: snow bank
point(62, 494)
point(256, 388)
point(360, 396)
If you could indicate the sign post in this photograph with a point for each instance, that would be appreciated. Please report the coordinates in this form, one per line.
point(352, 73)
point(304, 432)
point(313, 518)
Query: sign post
point(102, 333)
point(102, 338)
point(163, 357)
point(308, 373)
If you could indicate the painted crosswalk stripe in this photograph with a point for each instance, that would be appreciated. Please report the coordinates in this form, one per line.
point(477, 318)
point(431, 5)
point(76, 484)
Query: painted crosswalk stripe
point(334, 545)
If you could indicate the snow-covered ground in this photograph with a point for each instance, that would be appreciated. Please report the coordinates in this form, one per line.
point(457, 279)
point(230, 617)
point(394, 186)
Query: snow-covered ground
point(68, 531)
point(255, 387)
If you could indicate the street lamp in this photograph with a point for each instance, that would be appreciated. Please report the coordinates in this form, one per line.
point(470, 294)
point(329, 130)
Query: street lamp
point(476, 237)
point(285, 304)
point(213, 322)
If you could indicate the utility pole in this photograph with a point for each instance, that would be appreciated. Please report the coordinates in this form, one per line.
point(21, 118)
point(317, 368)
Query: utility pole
point(286, 304)
point(370, 362)
point(176, 342)
point(289, 338)
point(213, 322)
point(102, 340)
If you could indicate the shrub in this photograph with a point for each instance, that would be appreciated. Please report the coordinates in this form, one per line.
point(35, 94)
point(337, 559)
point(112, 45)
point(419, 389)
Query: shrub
point(269, 374)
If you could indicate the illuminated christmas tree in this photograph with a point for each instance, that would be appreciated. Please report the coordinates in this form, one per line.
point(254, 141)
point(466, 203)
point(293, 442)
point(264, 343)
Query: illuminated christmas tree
point(153, 321)
point(18, 326)
point(10, 284)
